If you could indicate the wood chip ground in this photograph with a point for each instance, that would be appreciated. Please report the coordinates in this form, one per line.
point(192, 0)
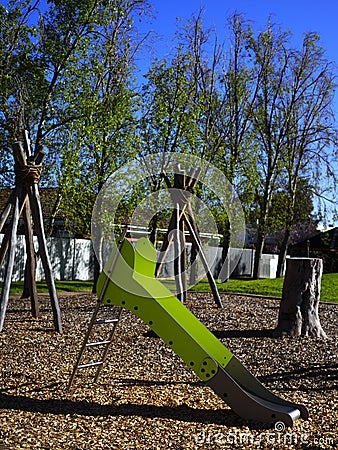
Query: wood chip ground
point(146, 398)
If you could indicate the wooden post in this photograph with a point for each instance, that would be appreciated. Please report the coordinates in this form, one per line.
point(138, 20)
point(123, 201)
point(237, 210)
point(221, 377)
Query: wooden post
point(11, 253)
point(35, 206)
point(181, 195)
point(180, 256)
point(6, 211)
point(298, 313)
point(30, 268)
point(183, 265)
point(28, 171)
point(35, 203)
point(4, 246)
point(165, 245)
point(197, 243)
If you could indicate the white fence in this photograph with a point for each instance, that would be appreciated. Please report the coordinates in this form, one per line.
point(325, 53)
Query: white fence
point(72, 259)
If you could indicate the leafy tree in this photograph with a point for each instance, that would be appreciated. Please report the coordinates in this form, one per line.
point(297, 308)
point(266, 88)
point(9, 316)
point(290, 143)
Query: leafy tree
point(304, 218)
point(292, 122)
point(100, 139)
point(187, 103)
point(172, 109)
point(271, 62)
point(66, 73)
point(16, 65)
point(310, 126)
point(65, 66)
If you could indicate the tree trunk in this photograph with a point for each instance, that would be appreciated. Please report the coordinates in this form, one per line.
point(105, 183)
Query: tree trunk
point(193, 266)
point(258, 255)
point(286, 238)
point(283, 253)
point(97, 263)
point(153, 230)
point(298, 313)
point(224, 275)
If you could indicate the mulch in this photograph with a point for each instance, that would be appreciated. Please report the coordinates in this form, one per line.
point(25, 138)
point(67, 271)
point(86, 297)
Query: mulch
point(146, 397)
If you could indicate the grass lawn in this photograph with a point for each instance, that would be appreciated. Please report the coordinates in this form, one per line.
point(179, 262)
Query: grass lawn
point(271, 287)
point(61, 286)
point(264, 286)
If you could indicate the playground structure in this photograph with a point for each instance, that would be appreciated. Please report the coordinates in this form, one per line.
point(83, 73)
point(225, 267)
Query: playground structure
point(25, 200)
point(183, 218)
point(128, 282)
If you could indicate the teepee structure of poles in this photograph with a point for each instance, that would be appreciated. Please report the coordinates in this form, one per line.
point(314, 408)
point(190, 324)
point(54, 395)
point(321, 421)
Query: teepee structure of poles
point(24, 202)
point(182, 219)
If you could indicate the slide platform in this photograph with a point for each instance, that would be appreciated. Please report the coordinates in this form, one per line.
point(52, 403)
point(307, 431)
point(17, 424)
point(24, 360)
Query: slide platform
point(132, 285)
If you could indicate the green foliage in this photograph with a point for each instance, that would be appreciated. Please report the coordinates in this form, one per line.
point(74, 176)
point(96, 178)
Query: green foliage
point(279, 211)
point(66, 77)
point(254, 106)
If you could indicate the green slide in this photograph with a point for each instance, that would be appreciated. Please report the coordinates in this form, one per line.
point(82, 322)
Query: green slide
point(132, 285)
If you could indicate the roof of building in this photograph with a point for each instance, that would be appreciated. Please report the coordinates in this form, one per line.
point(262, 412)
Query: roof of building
point(48, 197)
point(322, 240)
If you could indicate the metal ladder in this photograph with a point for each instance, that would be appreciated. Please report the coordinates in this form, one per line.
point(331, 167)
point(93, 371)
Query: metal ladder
point(105, 343)
point(87, 344)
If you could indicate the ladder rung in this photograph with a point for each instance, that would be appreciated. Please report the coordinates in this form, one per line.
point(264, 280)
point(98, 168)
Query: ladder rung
point(92, 344)
point(99, 321)
point(81, 366)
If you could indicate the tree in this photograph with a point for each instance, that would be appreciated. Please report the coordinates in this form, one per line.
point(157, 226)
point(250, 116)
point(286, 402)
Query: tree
point(237, 90)
point(293, 123)
point(16, 63)
point(310, 125)
point(304, 218)
point(66, 71)
point(101, 137)
point(187, 102)
point(171, 106)
point(271, 62)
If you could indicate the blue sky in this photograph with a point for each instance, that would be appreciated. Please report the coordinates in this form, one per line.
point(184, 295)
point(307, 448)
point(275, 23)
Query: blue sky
point(297, 16)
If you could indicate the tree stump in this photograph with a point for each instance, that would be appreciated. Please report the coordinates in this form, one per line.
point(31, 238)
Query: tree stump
point(298, 312)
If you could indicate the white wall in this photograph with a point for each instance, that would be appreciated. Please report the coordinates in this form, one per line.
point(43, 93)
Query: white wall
point(72, 259)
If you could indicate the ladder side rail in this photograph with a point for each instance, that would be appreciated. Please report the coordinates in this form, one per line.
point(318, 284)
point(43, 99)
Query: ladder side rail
point(84, 343)
point(94, 315)
point(107, 346)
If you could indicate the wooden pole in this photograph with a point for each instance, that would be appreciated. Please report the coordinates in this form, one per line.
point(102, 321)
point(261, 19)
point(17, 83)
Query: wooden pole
point(4, 246)
point(11, 254)
point(167, 242)
point(6, 238)
point(183, 265)
point(197, 243)
point(6, 211)
point(179, 249)
point(35, 204)
point(28, 171)
point(30, 262)
point(184, 188)
point(36, 210)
